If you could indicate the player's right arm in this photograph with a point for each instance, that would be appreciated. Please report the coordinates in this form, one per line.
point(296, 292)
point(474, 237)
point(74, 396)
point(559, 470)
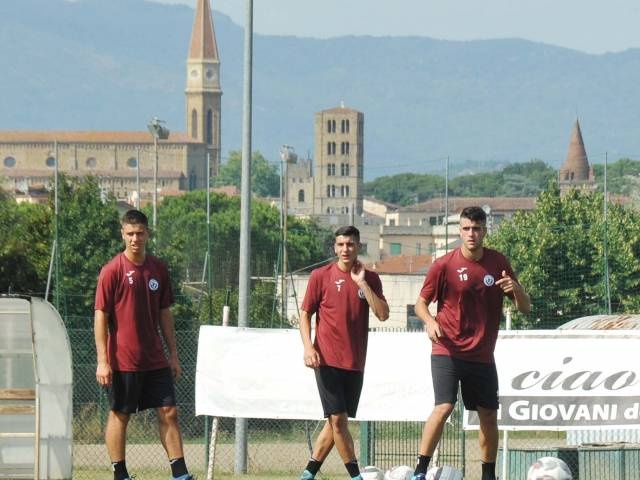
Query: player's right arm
point(431, 324)
point(311, 357)
point(100, 330)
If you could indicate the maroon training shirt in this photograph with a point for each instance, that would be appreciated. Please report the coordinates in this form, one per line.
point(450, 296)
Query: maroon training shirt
point(342, 316)
point(133, 295)
point(469, 303)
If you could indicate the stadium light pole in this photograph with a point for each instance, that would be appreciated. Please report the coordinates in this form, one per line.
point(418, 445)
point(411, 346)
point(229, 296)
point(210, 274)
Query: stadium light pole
point(287, 156)
point(158, 132)
point(245, 219)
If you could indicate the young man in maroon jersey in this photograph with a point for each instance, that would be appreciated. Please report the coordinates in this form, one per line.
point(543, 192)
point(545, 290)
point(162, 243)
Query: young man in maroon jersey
point(133, 297)
point(469, 285)
point(340, 295)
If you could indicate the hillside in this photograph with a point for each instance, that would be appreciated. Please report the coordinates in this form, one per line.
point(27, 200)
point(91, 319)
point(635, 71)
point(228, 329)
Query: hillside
point(110, 65)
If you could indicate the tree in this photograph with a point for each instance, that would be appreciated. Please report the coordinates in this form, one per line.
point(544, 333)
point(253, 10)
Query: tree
point(182, 242)
point(622, 176)
point(516, 180)
point(265, 179)
point(25, 242)
point(89, 235)
point(558, 251)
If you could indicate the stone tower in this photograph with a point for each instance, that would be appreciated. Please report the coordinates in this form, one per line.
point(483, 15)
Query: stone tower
point(338, 162)
point(203, 90)
point(576, 172)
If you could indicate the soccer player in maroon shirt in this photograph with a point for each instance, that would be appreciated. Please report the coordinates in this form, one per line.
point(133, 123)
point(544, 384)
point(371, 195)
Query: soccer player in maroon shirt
point(133, 300)
point(340, 295)
point(469, 285)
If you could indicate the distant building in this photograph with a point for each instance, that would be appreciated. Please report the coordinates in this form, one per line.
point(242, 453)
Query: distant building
point(576, 171)
point(118, 159)
point(333, 186)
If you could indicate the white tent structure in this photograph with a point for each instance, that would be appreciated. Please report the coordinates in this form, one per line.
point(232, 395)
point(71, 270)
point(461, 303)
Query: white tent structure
point(35, 391)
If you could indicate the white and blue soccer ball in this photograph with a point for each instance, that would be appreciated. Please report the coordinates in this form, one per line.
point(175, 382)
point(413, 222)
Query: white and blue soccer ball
point(371, 473)
point(401, 472)
point(549, 468)
point(445, 472)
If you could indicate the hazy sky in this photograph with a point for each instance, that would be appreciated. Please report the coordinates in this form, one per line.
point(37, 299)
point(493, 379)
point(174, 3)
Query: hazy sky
point(593, 26)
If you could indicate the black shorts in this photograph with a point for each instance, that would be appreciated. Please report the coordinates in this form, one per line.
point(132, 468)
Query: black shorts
point(479, 382)
point(132, 392)
point(339, 390)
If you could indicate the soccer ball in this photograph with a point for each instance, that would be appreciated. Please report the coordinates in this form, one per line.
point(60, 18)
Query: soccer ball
point(371, 473)
point(444, 473)
point(549, 468)
point(401, 472)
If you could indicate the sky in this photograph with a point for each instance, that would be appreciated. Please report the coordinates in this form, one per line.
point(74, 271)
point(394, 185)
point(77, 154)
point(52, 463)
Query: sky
point(591, 26)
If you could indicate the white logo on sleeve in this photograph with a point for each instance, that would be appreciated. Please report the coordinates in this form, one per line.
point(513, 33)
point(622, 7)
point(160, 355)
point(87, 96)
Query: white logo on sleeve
point(361, 294)
point(489, 280)
point(339, 283)
point(129, 275)
point(153, 285)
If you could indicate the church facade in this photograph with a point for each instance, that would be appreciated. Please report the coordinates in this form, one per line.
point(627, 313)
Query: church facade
point(124, 162)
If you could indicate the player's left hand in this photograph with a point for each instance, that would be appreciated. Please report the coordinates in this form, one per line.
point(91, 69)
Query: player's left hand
point(357, 272)
point(506, 283)
point(176, 369)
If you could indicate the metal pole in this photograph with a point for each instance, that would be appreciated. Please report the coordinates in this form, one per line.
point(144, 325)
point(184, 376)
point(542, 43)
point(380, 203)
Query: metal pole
point(606, 244)
point(505, 433)
point(138, 177)
point(283, 278)
point(446, 207)
point(285, 258)
point(209, 295)
point(57, 228)
point(245, 221)
point(155, 183)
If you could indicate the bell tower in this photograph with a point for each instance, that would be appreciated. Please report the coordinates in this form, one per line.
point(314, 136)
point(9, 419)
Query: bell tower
point(203, 92)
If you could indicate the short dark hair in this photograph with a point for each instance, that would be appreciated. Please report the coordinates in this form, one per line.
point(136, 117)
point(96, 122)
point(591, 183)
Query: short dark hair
point(349, 231)
point(475, 214)
point(134, 217)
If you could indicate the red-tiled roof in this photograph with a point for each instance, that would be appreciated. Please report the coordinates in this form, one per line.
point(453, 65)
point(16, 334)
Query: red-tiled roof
point(576, 161)
point(203, 40)
point(402, 264)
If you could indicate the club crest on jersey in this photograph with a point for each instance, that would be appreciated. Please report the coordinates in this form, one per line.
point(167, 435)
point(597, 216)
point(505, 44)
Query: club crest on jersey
point(489, 280)
point(153, 285)
point(339, 283)
point(361, 294)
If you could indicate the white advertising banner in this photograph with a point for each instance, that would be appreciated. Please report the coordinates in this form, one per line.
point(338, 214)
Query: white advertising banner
point(549, 380)
point(259, 373)
point(567, 380)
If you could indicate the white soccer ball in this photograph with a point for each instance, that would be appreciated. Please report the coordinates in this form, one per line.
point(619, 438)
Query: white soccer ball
point(445, 472)
point(401, 472)
point(549, 468)
point(371, 473)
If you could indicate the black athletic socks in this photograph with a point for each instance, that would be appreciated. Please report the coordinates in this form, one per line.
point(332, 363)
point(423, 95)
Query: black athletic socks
point(119, 470)
point(352, 468)
point(178, 467)
point(313, 466)
point(422, 465)
point(489, 471)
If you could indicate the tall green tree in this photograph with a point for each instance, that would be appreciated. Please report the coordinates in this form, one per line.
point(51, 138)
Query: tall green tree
point(89, 235)
point(558, 251)
point(265, 176)
point(25, 243)
point(515, 180)
point(182, 241)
